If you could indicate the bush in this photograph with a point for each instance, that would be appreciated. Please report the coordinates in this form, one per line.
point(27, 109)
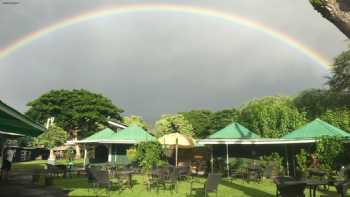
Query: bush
point(302, 162)
point(149, 154)
point(276, 160)
point(327, 151)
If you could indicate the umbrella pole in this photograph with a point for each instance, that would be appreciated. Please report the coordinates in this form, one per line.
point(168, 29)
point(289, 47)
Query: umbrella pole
point(176, 152)
point(227, 162)
point(212, 160)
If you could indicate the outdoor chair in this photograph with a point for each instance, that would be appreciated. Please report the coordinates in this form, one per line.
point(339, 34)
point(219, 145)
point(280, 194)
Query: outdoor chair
point(342, 185)
point(183, 172)
point(171, 181)
point(289, 187)
point(211, 185)
point(54, 171)
point(101, 181)
point(91, 178)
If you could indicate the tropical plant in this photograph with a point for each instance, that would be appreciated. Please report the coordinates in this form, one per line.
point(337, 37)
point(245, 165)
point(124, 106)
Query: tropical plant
point(200, 121)
point(54, 136)
point(339, 117)
point(327, 151)
point(272, 116)
point(149, 154)
point(134, 120)
point(169, 123)
point(131, 153)
point(302, 162)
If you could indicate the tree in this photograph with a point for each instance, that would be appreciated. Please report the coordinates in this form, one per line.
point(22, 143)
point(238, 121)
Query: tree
point(315, 102)
point(200, 121)
point(340, 78)
point(74, 110)
point(53, 137)
point(170, 123)
point(137, 120)
point(221, 119)
point(272, 116)
point(336, 11)
point(338, 117)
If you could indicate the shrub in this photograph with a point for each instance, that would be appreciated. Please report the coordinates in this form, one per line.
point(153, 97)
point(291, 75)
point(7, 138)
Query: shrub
point(149, 154)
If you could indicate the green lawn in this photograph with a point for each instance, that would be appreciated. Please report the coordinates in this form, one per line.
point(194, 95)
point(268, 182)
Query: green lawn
point(40, 164)
point(78, 186)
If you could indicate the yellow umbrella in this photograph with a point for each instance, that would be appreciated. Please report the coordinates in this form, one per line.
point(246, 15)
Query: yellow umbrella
point(179, 140)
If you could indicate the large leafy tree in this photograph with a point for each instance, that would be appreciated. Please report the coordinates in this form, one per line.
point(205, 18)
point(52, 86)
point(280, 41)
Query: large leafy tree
point(171, 123)
point(340, 77)
point(221, 119)
point(74, 110)
point(200, 121)
point(271, 116)
point(315, 102)
point(338, 117)
point(136, 120)
point(336, 11)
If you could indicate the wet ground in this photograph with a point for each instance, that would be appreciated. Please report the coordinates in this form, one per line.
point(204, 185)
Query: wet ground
point(20, 184)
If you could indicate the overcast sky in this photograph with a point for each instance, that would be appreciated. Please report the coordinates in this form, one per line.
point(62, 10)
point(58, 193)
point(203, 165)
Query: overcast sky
point(164, 62)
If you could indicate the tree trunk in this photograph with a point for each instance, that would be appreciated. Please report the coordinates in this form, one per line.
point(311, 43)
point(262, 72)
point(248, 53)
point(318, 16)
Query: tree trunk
point(336, 11)
point(52, 156)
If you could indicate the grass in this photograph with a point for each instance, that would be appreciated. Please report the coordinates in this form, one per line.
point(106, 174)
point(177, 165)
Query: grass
point(78, 186)
point(40, 164)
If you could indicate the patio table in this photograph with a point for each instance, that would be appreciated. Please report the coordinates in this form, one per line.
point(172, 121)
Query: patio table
point(128, 174)
point(313, 184)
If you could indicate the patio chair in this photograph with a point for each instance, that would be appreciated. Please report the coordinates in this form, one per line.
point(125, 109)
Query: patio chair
point(91, 178)
point(343, 185)
point(183, 172)
point(211, 185)
point(289, 187)
point(102, 180)
point(171, 181)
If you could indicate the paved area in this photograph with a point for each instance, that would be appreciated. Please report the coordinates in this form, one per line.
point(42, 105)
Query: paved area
point(20, 185)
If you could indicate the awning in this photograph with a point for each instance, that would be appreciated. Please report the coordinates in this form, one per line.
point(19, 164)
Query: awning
point(12, 121)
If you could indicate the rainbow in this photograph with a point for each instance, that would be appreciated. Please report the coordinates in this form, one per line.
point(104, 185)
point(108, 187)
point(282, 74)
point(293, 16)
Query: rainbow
point(135, 8)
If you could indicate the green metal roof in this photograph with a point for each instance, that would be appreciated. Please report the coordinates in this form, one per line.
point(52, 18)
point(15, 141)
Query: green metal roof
point(133, 132)
point(234, 131)
point(105, 134)
point(316, 129)
point(13, 121)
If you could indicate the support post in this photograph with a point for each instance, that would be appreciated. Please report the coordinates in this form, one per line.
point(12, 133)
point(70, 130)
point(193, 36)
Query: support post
point(109, 152)
point(212, 160)
point(227, 162)
point(287, 159)
point(85, 155)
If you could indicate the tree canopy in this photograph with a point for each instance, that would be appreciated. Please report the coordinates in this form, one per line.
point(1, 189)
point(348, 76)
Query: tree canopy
point(340, 77)
point(54, 136)
point(74, 109)
point(272, 116)
point(200, 121)
point(222, 118)
point(315, 102)
point(171, 123)
point(133, 119)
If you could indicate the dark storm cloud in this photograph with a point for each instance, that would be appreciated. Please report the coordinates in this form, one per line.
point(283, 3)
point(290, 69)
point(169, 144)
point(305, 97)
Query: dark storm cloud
point(156, 63)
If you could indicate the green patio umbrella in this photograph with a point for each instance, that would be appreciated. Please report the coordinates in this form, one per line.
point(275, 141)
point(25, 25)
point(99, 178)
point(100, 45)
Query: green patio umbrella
point(316, 129)
point(233, 131)
point(12, 121)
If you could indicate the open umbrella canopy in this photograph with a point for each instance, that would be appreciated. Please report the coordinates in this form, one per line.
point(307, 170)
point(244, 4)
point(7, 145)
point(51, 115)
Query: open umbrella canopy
point(316, 129)
point(12, 121)
point(234, 131)
point(179, 139)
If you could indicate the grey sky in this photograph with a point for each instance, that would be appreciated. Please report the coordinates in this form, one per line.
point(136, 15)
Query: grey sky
point(155, 63)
